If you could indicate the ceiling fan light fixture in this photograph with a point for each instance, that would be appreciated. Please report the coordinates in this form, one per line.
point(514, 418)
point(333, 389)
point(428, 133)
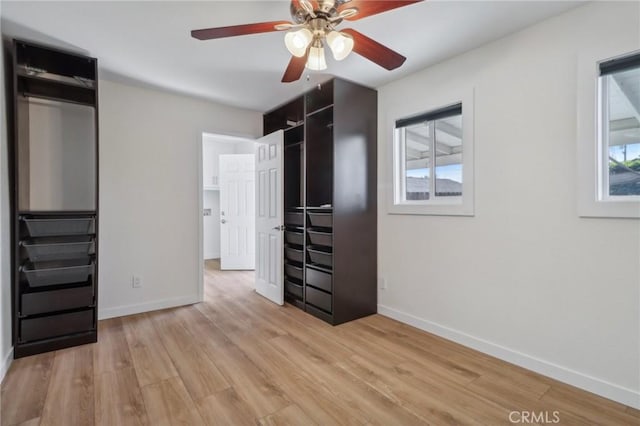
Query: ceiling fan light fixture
point(298, 41)
point(341, 44)
point(316, 60)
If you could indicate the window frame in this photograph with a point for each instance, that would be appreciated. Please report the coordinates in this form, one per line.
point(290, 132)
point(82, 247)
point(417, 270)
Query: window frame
point(603, 137)
point(592, 174)
point(446, 205)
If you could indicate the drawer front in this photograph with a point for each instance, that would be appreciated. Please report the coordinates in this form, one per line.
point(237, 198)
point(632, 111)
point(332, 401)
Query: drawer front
point(293, 272)
point(59, 226)
point(56, 300)
point(321, 258)
point(56, 325)
point(294, 218)
point(321, 238)
point(319, 279)
point(319, 313)
point(296, 238)
point(321, 220)
point(294, 255)
point(318, 298)
point(293, 289)
point(58, 276)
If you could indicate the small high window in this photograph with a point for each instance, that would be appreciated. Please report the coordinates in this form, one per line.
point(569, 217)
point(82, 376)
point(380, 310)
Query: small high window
point(619, 129)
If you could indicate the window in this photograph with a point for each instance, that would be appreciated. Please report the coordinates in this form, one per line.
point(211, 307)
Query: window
point(432, 162)
point(608, 126)
point(619, 132)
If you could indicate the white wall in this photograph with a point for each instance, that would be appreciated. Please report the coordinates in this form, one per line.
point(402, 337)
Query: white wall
point(526, 279)
point(5, 271)
point(149, 199)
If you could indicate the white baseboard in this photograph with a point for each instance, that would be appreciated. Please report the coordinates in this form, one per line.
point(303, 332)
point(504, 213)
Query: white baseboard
point(600, 387)
point(120, 311)
point(209, 256)
point(7, 359)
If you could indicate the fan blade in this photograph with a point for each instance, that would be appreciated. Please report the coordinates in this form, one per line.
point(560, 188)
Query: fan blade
point(373, 7)
point(295, 68)
point(236, 30)
point(374, 51)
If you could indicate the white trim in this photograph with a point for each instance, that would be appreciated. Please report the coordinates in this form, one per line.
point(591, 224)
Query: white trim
point(600, 387)
point(455, 206)
point(7, 359)
point(121, 311)
point(591, 203)
point(200, 219)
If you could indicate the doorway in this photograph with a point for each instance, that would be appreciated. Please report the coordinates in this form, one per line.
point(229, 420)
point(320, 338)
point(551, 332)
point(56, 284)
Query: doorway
point(227, 206)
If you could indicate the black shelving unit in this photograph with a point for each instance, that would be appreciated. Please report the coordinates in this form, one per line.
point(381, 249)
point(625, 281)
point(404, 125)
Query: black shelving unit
point(330, 200)
point(55, 215)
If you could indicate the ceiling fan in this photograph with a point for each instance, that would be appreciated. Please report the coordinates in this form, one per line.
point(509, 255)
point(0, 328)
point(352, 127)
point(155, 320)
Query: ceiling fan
point(314, 26)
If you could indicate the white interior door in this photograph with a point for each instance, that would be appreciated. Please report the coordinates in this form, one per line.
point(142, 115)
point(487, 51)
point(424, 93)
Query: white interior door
point(237, 211)
point(269, 220)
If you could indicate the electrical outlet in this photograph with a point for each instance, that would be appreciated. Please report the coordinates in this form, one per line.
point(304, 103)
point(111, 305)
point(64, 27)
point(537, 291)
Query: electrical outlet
point(383, 284)
point(136, 281)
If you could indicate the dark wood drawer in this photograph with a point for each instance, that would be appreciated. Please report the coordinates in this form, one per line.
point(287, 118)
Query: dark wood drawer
point(294, 218)
point(56, 300)
point(320, 257)
point(56, 325)
point(319, 313)
point(318, 298)
point(319, 279)
point(294, 254)
point(293, 271)
point(296, 238)
point(293, 289)
point(321, 219)
point(320, 238)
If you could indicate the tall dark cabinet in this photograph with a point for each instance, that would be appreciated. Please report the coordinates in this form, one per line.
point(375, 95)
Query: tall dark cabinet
point(330, 200)
point(55, 198)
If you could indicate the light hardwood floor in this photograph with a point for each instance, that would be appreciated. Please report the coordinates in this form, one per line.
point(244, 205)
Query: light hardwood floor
point(237, 359)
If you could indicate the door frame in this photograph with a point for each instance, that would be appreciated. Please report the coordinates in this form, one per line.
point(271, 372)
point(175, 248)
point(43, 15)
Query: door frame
point(199, 211)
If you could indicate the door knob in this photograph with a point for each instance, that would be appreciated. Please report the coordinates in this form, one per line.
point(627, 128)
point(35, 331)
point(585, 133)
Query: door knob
point(279, 228)
point(223, 221)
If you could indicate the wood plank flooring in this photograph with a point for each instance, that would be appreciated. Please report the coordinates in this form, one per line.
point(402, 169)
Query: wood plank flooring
point(237, 359)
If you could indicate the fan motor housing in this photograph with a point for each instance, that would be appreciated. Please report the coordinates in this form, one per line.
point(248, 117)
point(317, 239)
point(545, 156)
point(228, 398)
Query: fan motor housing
point(326, 8)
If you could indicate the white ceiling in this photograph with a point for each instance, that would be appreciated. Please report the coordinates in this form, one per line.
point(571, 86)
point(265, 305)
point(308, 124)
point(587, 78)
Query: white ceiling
point(149, 42)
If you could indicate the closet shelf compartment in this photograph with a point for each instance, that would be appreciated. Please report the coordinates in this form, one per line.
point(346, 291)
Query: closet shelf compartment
point(295, 238)
point(321, 220)
point(59, 227)
point(294, 255)
point(42, 252)
point(293, 271)
point(56, 325)
point(320, 238)
point(42, 277)
point(294, 218)
point(293, 289)
point(321, 257)
point(318, 298)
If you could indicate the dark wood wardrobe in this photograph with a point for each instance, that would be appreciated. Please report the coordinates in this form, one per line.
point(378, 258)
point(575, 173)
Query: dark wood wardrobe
point(330, 199)
point(54, 199)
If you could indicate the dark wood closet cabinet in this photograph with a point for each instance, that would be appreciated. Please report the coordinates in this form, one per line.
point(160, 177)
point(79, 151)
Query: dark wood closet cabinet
point(330, 199)
point(54, 198)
